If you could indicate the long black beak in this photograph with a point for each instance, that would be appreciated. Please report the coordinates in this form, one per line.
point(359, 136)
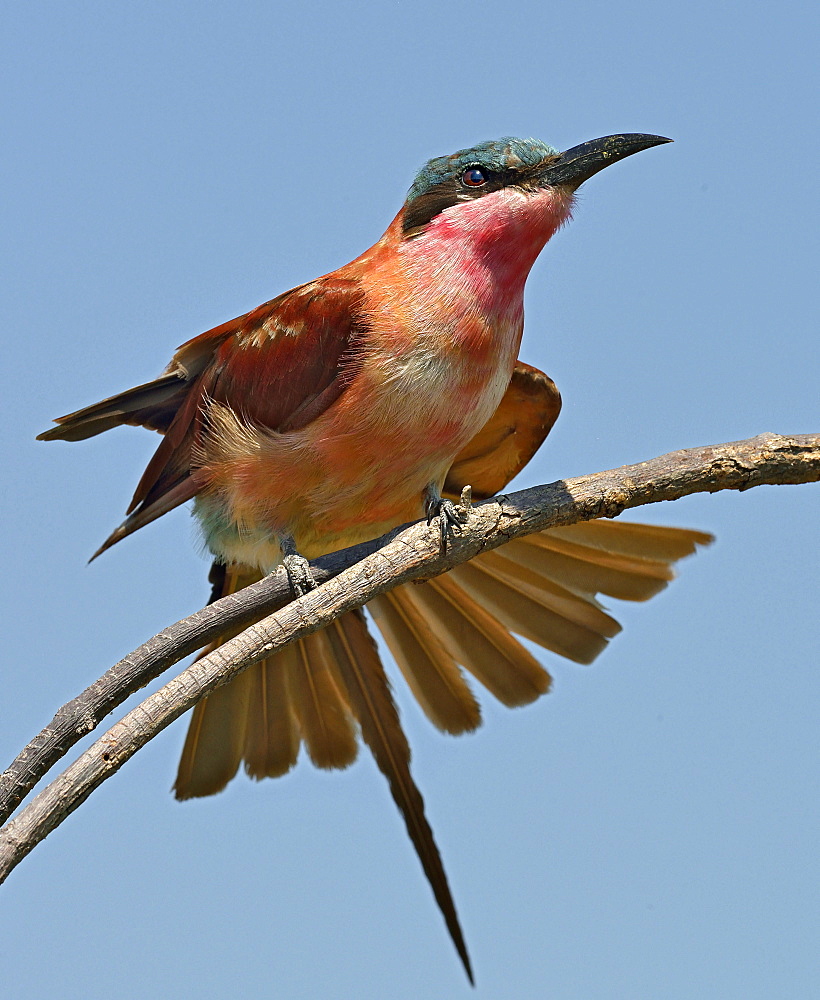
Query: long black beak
point(578, 164)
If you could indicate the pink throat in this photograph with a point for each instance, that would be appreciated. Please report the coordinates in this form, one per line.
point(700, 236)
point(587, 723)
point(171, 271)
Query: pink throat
point(490, 244)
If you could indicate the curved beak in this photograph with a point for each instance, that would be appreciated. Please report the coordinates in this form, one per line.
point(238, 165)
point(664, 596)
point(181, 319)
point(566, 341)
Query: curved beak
point(578, 164)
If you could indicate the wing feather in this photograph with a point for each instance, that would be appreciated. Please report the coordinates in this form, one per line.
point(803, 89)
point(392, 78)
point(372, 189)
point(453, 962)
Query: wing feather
point(511, 436)
point(277, 367)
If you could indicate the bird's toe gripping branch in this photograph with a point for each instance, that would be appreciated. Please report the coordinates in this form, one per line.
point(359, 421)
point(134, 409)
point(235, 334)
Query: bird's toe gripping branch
point(300, 577)
point(450, 516)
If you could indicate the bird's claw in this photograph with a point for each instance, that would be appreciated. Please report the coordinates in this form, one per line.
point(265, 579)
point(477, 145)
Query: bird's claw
point(450, 516)
point(299, 574)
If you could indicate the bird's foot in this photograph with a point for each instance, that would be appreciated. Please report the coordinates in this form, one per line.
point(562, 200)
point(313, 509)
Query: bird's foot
point(450, 516)
point(297, 568)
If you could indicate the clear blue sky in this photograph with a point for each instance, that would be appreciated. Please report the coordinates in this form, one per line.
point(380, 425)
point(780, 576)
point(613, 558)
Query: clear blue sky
point(649, 830)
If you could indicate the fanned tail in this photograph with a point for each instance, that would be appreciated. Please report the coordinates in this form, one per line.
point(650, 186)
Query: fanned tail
point(317, 690)
point(542, 587)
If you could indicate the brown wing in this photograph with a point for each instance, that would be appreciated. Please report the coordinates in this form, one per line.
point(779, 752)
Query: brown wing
point(290, 360)
point(279, 366)
point(510, 437)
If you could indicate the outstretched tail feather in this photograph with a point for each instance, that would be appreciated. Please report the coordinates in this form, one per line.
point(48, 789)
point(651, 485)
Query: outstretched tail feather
point(263, 715)
point(372, 701)
point(428, 667)
point(530, 618)
point(574, 606)
point(272, 734)
point(325, 720)
point(542, 586)
point(478, 642)
point(216, 740)
point(644, 541)
point(591, 569)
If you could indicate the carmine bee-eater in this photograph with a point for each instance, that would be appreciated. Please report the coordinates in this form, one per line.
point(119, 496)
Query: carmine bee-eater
point(360, 401)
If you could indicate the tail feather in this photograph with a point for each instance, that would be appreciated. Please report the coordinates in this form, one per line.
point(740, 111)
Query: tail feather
point(644, 541)
point(325, 721)
point(583, 609)
point(479, 642)
point(272, 737)
point(531, 618)
point(428, 667)
point(372, 701)
point(216, 740)
point(589, 570)
point(543, 587)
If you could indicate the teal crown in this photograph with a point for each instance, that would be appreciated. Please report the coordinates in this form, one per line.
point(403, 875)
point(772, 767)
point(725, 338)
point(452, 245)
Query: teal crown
point(497, 155)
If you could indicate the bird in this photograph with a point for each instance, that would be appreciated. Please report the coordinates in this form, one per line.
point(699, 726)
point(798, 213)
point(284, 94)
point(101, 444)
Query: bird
point(362, 400)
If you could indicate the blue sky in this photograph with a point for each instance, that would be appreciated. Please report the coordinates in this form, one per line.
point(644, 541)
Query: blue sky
point(650, 828)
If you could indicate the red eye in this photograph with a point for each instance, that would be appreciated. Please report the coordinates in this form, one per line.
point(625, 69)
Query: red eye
point(473, 177)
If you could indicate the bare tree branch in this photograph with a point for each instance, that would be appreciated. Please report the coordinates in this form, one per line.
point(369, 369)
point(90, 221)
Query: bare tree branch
point(351, 578)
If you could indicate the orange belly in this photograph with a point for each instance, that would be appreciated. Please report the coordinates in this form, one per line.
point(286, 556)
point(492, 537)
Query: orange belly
point(359, 469)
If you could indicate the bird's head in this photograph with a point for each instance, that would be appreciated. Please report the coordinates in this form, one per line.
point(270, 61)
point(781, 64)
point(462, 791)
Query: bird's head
point(507, 190)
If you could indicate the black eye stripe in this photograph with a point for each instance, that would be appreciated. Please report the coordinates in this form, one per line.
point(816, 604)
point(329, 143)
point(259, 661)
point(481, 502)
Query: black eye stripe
point(451, 191)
